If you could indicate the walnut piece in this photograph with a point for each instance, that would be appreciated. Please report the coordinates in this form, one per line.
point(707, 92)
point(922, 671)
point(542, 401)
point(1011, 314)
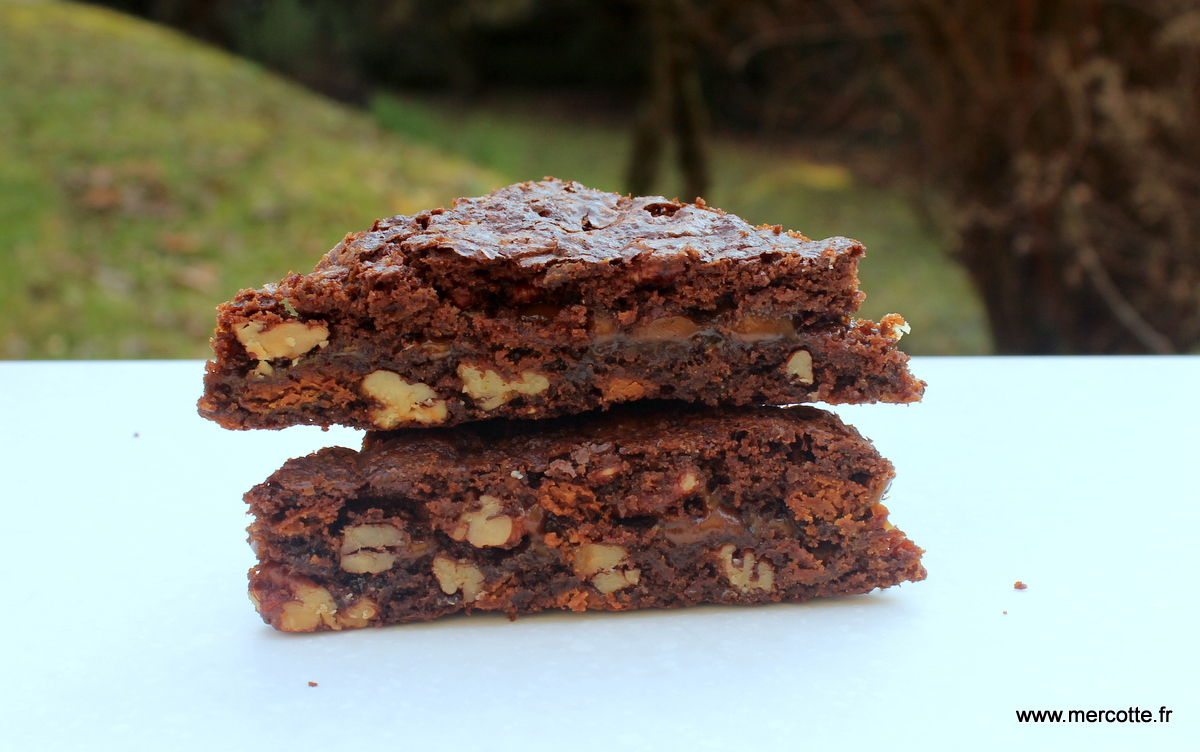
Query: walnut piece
point(799, 367)
point(358, 614)
point(893, 326)
point(291, 339)
point(485, 526)
point(365, 548)
point(453, 576)
point(598, 562)
point(367, 562)
point(610, 582)
point(620, 389)
point(359, 537)
point(753, 329)
point(669, 329)
point(402, 402)
point(749, 574)
point(490, 390)
point(312, 606)
point(591, 558)
point(688, 482)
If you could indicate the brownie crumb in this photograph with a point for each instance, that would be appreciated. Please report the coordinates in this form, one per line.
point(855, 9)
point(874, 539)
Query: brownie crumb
point(312, 684)
point(1018, 585)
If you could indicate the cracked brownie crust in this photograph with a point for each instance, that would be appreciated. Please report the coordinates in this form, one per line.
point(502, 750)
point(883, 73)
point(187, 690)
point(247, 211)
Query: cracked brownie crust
point(664, 505)
point(551, 298)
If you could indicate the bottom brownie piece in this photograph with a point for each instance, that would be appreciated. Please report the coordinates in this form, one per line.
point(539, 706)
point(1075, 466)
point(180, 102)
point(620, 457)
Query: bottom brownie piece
point(654, 505)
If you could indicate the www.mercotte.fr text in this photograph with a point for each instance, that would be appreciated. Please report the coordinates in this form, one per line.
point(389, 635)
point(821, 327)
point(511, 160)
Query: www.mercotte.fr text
point(1128, 715)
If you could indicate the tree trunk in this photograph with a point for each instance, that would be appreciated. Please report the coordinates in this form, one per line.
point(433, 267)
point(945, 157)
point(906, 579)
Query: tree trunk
point(673, 107)
point(1040, 302)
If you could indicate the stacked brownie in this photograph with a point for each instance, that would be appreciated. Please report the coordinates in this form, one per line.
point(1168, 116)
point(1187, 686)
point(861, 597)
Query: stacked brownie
point(573, 399)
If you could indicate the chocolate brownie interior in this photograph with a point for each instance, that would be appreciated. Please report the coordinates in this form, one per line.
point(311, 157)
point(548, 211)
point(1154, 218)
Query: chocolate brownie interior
point(650, 505)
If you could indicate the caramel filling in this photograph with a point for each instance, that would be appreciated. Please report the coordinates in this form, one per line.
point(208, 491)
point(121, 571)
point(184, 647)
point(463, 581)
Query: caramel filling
point(749, 330)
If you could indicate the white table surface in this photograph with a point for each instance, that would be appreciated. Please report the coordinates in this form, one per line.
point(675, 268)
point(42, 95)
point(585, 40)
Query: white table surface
point(126, 623)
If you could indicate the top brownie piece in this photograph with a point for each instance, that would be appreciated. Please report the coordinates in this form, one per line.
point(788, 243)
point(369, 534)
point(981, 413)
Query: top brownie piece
point(549, 298)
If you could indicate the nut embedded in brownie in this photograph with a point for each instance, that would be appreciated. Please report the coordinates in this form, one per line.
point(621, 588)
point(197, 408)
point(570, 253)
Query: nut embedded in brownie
point(653, 505)
point(550, 298)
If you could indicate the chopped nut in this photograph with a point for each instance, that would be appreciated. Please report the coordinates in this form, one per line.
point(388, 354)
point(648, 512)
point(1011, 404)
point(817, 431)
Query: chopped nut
point(893, 326)
point(371, 536)
point(599, 562)
point(490, 390)
point(619, 389)
point(455, 575)
point(368, 562)
point(357, 614)
point(291, 339)
point(752, 329)
point(799, 366)
point(401, 401)
point(750, 574)
point(263, 369)
point(688, 482)
point(311, 606)
point(485, 526)
point(669, 329)
point(610, 582)
point(365, 548)
point(591, 558)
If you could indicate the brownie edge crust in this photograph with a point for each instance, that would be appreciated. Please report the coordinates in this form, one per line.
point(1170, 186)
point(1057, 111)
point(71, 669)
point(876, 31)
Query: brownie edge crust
point(653, 505)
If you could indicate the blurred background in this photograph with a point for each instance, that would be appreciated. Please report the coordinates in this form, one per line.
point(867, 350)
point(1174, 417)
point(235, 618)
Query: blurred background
point(1025, 174)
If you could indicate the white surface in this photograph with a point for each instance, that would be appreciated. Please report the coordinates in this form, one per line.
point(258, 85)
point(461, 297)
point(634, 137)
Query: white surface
point(126, 623)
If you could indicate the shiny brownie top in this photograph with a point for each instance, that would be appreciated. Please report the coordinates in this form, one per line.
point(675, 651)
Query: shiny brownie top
point(536, 223)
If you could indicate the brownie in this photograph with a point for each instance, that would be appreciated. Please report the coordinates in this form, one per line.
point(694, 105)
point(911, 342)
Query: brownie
point(648, 505)
point(550, 298)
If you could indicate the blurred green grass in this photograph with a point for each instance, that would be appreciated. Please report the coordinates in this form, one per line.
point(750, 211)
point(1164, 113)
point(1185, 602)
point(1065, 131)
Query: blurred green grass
point(906, 270)
point(145, 177)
